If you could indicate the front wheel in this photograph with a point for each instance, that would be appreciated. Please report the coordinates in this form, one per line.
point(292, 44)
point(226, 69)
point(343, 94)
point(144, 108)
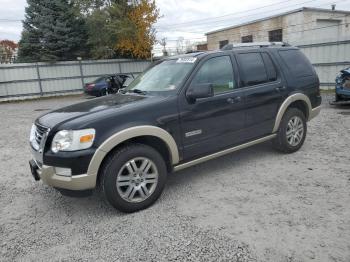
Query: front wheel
point(292, 132)
point(133, 177)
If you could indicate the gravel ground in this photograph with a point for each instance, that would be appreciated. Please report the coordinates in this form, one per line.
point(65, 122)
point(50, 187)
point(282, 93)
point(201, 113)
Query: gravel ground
point(252, 205)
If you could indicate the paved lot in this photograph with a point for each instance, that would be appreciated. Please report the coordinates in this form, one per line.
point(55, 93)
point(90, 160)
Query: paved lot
point(252, 205)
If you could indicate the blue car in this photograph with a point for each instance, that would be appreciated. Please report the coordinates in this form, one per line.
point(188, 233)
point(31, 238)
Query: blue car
point(342, 87)
point(106, 84)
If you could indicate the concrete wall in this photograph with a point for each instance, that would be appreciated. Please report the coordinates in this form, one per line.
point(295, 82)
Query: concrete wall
point(324, 37)
point(42, 79)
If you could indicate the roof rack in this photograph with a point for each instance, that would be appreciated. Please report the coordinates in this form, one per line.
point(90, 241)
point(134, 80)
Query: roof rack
point(254, 44)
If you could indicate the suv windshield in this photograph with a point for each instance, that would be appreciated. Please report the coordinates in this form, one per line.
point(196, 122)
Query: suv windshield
point(165, 76)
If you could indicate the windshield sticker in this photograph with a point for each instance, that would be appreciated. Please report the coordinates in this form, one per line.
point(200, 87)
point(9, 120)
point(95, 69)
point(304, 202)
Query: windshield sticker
point(230, 85)
point(187, 60)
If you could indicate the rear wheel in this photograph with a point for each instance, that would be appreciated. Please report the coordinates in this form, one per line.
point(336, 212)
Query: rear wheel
point(103, 92)
point(292, 132)
point(133, 177)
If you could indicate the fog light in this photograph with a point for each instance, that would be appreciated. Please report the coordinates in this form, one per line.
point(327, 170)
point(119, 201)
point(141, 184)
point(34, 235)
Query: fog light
point(60, 171)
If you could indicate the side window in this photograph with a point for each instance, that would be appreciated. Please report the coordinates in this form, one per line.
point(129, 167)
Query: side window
point(217, 71)
point(253, 69)
point(296, 62)
point(270, 68)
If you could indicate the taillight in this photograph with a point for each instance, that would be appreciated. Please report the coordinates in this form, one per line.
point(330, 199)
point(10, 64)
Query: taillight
point(90, 86)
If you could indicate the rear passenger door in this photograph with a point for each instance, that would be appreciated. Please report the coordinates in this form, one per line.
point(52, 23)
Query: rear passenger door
point(264, 91)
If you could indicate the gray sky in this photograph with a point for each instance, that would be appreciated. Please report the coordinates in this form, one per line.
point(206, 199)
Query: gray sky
point(189, 19)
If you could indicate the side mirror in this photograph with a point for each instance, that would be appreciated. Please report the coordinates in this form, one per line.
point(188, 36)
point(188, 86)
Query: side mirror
point(200, 91)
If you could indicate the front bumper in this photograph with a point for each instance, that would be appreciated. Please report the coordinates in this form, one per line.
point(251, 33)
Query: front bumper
point(50, 177)
point(343, 92)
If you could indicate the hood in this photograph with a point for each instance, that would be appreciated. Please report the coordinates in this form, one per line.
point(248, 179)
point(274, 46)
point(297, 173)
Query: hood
point(89, 107)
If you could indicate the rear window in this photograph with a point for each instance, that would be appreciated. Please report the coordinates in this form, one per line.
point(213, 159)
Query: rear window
point(296, 62)
point(253, 68)
point(100, 79)
point(270, 67)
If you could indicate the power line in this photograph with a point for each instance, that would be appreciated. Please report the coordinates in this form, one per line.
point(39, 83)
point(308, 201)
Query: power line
point(9, 20)
point(215, 17)
point(272, 28)
point(245, 16)
point(269, 28)
point(301, 31)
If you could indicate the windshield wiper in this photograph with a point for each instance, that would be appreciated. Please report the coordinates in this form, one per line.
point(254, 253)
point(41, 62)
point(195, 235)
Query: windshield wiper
point(138, 91)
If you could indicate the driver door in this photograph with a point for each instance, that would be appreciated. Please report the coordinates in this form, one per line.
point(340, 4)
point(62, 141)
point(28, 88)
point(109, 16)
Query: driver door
point(215, 123)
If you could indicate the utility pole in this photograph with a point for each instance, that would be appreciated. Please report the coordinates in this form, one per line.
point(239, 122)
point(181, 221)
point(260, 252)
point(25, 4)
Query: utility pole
point(180, 45)
point(162, 42)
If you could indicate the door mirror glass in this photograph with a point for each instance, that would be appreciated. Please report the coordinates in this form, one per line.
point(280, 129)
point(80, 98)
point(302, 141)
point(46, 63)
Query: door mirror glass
point(200, 91)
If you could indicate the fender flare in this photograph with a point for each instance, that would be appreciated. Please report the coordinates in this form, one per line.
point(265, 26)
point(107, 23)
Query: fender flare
point(127, 134)
point(285, 105)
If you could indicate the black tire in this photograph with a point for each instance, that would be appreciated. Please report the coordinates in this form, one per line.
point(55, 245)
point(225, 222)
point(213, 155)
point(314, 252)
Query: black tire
point(113, 166)
point(281, 142)
point(337, 98)
point(103, 92)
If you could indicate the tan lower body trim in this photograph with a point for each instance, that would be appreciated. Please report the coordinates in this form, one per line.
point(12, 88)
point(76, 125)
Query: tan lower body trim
point(314, 112)
point(223, 152)
point(78, 182)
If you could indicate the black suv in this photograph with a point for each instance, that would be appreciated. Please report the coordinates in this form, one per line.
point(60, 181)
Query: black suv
point(182, 111)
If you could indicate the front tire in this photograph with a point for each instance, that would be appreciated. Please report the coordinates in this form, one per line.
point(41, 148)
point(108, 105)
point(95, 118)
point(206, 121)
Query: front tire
point(133, 177)
point(292, 131)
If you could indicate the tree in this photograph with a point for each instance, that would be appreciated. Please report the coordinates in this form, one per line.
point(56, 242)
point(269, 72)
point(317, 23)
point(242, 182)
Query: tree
point(52, 31)
point(139, 43)
point(29, 46)
point(105, 25)
point(7, 51)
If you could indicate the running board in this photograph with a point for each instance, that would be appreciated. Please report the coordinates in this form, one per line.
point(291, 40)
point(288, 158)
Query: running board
point(222, 153)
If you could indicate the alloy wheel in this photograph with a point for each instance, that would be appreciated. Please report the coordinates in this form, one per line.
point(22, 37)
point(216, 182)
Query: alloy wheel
point(295, 131)
point(137, 179)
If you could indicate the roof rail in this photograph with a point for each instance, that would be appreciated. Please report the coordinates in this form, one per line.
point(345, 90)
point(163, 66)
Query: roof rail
point(254, 44)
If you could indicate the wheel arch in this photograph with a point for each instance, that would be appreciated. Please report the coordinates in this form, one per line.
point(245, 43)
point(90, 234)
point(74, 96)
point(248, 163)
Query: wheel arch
point(135, 134)
point(297, 100)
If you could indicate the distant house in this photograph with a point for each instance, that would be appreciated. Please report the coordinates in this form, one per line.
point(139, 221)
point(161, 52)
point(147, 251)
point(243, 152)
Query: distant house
point(322, 34)
point(202, 47)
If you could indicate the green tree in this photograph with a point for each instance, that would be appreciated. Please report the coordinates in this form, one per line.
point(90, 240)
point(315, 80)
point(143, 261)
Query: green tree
point(117, 28)
point(52, 31)
point(106, 23)
point(29, 46)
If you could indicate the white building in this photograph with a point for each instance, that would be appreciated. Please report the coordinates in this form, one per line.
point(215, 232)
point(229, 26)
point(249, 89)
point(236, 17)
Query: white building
point(322, 34)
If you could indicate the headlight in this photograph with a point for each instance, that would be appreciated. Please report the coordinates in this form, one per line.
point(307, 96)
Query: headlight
point(32, 134)
point(72, 140)
point(32, 140)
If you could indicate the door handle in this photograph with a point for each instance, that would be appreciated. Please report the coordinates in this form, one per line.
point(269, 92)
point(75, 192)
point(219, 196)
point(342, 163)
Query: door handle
point(280, 88)
point(233, 100)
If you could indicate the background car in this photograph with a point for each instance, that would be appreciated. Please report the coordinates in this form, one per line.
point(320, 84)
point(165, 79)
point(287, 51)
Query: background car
point(342, 88)
point(99, 86)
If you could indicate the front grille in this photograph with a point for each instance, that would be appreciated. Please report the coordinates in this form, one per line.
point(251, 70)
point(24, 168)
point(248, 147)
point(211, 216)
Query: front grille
point(40, 132)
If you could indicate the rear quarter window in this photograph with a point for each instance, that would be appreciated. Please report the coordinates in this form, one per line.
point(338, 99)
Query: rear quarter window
point(270, 67)
point(296, 62)
point(252, 68)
